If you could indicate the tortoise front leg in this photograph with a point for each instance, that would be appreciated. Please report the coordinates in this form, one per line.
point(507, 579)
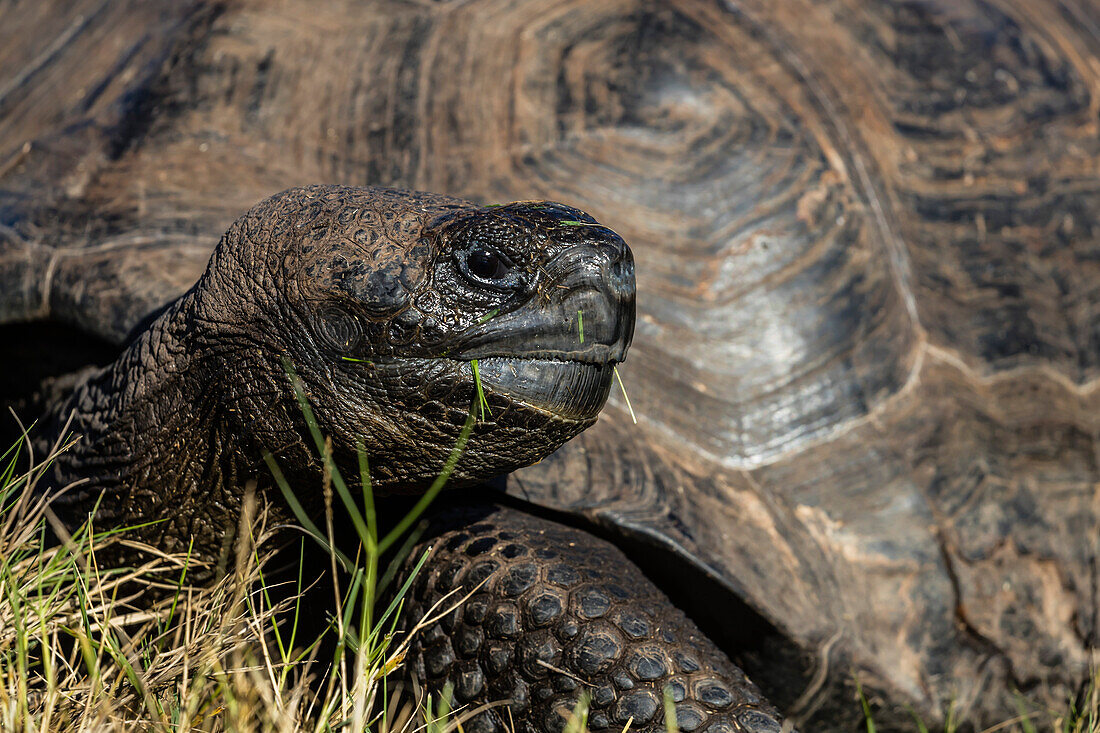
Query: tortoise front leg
point(559, 612)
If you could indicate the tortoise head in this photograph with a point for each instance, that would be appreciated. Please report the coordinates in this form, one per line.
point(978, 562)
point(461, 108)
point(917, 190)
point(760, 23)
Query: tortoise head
point(393, 306)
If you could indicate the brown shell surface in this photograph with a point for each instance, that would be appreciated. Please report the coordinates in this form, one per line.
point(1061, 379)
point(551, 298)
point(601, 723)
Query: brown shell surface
point(866, 363)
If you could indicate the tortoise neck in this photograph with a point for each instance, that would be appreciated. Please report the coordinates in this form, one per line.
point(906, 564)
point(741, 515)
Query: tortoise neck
point(149, 445)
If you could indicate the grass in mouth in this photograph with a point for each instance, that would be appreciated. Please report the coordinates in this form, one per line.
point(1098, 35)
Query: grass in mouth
point(482, 403)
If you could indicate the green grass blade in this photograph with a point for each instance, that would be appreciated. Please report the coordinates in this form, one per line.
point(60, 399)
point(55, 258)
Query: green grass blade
point(1025, 715)
point(299, 512)
point(368, 493)
point(404, 589)
point(867, 716)
point(578, 719)
point(433, 490)
point(488, 316)
point(670, 712)
point(921, 727)
point(481, 401)
point(399, 559)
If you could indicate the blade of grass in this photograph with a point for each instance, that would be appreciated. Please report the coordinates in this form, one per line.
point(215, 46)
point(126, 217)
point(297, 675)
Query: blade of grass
point(433, 490)
point(481, 401)
point(670, 711)
point(399, 558)
point(577, 721)
point(404, 589)
point(921, 727)
point(299, 512)
point(488, 316)
point(867, 716)
point(625, 395)
point(368, 492)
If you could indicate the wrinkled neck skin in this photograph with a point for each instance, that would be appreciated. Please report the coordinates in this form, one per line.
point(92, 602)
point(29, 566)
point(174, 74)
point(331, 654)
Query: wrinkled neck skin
point(153, 442)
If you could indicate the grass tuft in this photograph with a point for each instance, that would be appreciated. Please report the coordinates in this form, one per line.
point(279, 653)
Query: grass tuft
point(1029, 719)
point(86, 647)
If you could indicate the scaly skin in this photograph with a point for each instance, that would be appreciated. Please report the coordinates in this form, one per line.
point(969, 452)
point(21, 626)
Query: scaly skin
point(554, 612)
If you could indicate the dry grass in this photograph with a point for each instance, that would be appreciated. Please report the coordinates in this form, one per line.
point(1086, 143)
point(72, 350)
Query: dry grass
point(88, 646)
point(1083, 717)
point(84, 647)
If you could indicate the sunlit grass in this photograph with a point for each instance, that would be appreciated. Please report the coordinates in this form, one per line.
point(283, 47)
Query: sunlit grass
point(83, 647)
point(1030, 719)
point(625, 395)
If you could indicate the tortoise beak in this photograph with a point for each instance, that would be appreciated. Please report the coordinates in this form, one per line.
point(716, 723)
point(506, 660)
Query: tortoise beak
point(574, 390)
point(557, 352)
point(583, 311)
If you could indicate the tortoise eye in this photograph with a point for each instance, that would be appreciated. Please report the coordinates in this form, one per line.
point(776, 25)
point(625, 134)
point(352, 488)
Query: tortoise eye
point(485, 264)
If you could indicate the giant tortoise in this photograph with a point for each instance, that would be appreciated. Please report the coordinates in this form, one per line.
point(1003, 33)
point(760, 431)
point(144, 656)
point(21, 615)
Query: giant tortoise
point(419, 327)
point(866, 363)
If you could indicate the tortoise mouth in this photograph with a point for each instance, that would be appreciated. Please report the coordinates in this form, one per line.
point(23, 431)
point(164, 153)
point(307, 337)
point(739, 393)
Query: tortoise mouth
point(575, 390)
